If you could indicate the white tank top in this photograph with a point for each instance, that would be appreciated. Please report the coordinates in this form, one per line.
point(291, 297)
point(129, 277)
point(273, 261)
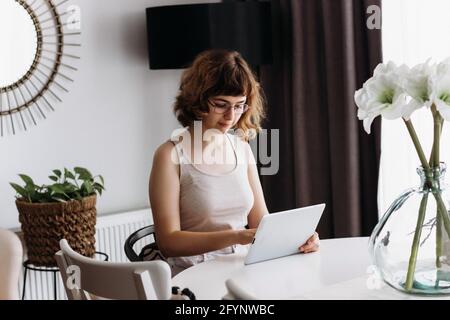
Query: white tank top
point(213, 202)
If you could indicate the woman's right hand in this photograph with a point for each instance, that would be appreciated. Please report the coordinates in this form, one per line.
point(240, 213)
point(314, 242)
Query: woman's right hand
point(246, 236)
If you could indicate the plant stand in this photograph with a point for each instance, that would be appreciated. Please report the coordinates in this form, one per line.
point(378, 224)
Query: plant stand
point(29, 266)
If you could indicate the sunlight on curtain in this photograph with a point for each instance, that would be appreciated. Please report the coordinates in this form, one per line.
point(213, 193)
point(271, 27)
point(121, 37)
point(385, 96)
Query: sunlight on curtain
point(413, 31)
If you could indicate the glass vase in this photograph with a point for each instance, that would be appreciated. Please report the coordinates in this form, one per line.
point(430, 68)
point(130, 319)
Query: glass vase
point(410, 245)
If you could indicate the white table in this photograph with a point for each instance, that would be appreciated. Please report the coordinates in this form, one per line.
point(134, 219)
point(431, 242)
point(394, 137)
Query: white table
point(284, 278)
point(340, 270)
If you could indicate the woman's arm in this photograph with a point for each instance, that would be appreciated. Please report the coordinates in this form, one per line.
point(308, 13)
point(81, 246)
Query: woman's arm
point(164, 189)
point(259, 207)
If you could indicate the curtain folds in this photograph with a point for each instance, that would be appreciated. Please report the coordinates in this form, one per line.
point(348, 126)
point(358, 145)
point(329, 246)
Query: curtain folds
point(323, 52)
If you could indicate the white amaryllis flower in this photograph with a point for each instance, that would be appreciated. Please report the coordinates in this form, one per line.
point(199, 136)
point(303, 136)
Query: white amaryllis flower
point(383, 94)
point(417, 84)
point(440, 88)
point(389, 67)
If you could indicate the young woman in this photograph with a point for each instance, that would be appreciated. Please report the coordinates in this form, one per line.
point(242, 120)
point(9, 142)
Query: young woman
point(205, 192)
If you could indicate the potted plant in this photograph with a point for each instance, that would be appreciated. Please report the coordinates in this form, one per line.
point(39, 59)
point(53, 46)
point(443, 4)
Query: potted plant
point(64, 209)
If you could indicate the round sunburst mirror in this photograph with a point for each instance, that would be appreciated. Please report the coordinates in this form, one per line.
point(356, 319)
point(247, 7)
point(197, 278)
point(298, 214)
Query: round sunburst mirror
point(18, 49)
point(35, 39)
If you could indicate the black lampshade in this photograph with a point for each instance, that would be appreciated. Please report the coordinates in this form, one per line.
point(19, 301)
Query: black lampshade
point(176, 34)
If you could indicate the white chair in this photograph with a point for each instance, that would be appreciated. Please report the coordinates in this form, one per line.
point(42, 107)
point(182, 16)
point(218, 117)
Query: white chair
point(85, 278)
point(11, 256)
point(235, 292)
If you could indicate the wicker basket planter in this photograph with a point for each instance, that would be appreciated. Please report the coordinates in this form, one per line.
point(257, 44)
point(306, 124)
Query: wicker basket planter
point(45, 224)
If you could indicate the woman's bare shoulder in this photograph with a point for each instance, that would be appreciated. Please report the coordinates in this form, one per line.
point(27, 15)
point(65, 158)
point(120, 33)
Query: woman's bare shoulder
point(164, 153)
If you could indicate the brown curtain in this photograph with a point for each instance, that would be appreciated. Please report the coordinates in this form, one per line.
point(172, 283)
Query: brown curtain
point(323, 52)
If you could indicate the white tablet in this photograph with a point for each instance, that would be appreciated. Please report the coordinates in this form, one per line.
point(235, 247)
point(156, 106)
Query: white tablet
point(281, 234)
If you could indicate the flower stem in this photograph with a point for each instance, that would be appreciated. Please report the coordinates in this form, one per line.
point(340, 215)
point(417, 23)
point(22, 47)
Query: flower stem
point(428, 173)
point(416, 241)
point(442, 213)
point(415, 139)
point(437, 137)
point(438, 238)
point(436, 164)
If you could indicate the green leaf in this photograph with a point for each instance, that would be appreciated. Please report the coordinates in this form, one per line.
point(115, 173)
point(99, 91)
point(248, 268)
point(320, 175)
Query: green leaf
point(78, 196)
point(98, 186)
point(26, 179)
point(53, 178)
point(31, 189)
point(83, 173)
point(57, 189)
point(68, 174)
point(83, 191)
point(58, 173)
point(21, 191)
point(89, 188)
point(102, 180)
point(69, 187)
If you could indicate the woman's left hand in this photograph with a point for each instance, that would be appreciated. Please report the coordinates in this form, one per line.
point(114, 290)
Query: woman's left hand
point(311, 245)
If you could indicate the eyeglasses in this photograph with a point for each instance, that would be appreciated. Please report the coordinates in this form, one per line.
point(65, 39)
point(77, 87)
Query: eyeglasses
point(222, 107)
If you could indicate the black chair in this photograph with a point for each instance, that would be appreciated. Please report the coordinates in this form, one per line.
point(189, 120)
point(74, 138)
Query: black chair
point(149, 252)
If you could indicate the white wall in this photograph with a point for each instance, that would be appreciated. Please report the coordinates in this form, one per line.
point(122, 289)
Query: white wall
point(117, 113)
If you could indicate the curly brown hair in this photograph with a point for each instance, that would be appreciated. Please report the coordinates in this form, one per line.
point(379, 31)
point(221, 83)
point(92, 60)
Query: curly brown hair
point(214, 73)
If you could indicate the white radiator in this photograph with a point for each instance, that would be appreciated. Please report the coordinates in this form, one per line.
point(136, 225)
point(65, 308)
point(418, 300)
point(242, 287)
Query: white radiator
point(111, 233)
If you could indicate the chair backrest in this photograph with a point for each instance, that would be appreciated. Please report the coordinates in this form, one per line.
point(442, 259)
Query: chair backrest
point(11, 256)
point(149, 252)
point(85, 277)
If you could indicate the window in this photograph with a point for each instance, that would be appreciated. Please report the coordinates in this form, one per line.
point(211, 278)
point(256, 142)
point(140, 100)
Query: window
point(413, 31)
